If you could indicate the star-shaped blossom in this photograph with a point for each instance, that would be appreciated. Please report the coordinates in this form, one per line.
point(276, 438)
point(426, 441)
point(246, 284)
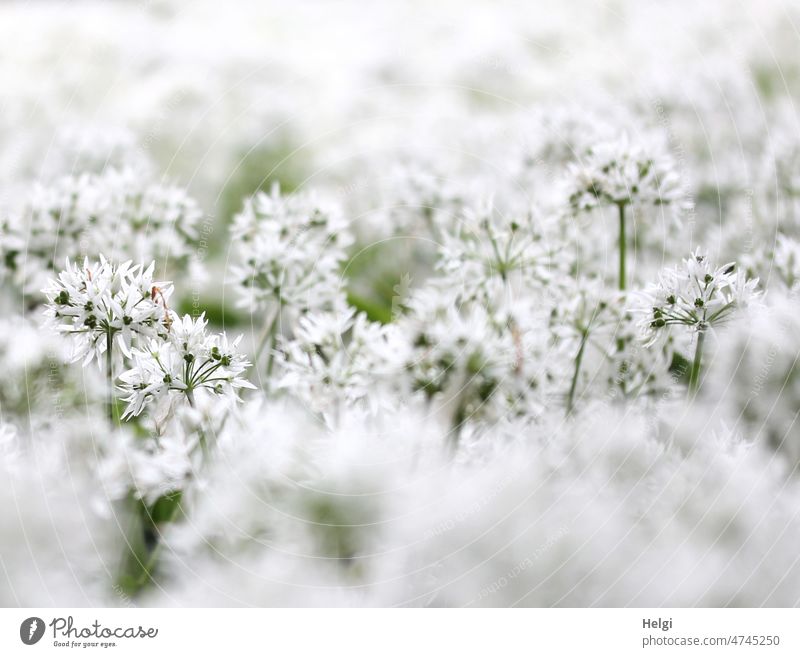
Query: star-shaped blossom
point(101, 304)
point(695, 294)
point(185, 360)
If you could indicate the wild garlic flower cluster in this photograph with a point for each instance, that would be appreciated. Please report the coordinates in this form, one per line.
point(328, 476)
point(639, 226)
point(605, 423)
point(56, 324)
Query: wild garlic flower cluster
point(622, 172)
point(600, 342)
point(462, 360)
point(116, 212)
point(287, 253)
point(339, 358)
point(183, 360)
point(102, 304)
point(581, 327)
point(695, 294)
point(519, 251)
point(636, 371)
point(120, 312)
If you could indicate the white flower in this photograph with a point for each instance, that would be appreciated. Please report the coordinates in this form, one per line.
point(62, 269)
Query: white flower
point(487, 245)
point(339, 357)
point(101, 304)
point(600, 338)
point(116, 212)
point(184, 360)
point(287, 252)
point(95, 148)
point(29, 360)
point(695, 294)
point(467, 361)
point(620, 172)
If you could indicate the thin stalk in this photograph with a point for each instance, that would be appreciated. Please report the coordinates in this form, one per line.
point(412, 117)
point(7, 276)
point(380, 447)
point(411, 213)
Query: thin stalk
point(110, 376)
point(271, 355)
point(622, 247)
point(459, 417)
point(203, 441)
point(694, 374)
point(269, 336)
point(578, 361)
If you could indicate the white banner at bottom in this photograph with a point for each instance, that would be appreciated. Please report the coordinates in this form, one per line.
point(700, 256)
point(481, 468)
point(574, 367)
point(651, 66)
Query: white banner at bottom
point(400, 632)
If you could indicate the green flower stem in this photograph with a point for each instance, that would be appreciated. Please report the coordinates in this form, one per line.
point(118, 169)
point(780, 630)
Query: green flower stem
point(149, 565)
point(622, 246)
point(694, 374)
point(110, 376)
point(578, 361)
point(459, 418)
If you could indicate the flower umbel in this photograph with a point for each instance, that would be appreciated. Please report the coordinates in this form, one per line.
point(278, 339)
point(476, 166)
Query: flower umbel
point(185, 360)
point(697, 295)
point(116, 212)
point(620, 172)
point(287, 252)
point(337, 356)
point(101, 304)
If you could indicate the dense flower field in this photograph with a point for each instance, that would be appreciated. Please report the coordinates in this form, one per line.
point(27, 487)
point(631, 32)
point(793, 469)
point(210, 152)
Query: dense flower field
point(431, 304)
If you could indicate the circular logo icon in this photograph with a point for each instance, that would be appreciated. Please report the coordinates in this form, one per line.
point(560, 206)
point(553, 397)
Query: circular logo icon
point(31, 630)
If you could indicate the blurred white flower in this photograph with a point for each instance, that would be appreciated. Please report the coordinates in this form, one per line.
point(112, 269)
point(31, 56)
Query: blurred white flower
point(339, 358)
point(149, 468)
point(116, 212)
point(754, 375)
point(55, 547)
point(287, 252)
point(487, 245)
point(466, 362)
point(622, 172)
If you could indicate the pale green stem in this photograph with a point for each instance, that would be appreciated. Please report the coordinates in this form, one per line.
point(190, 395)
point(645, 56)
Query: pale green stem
point(153, 558)
point(622, 247)
point(270, 336)
point(458, 424)
point(578, 361)
point(110, 376)
point(694, 375)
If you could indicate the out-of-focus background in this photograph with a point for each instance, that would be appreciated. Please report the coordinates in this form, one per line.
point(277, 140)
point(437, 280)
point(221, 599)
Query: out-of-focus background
point(225, 100)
